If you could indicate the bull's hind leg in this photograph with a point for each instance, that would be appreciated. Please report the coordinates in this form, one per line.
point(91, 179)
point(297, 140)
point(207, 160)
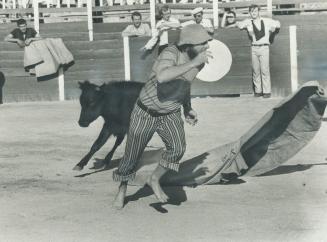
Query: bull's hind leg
point(99, 142)
point(108, 158)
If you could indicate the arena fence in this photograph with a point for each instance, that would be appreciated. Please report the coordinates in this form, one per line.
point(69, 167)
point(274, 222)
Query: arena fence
point(103, 59)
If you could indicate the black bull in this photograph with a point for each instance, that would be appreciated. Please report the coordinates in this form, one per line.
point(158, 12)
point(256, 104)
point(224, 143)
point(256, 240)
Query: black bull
point(114, 102)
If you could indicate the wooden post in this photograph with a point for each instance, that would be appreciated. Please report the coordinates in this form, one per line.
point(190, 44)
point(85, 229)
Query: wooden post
point(48, 3)
point(215, 14)
point(101, 3)
point(269, 8)
point(36, 15)
point(14, 4)
point(127, 61)
point(58, 4)
point(89, 19)
point(153, 15)
point(293, 58)
point(61, 84)
point(3, 4)
point(68, 3)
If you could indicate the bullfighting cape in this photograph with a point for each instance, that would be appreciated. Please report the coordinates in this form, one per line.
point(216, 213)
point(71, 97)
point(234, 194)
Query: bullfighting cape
point(275, 138)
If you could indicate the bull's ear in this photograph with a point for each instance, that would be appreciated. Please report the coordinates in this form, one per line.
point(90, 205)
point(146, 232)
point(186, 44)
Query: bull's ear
point(83, 84)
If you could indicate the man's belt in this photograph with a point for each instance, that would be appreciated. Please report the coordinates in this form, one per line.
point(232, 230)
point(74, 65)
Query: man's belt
point(152, 112)
point(258, 45)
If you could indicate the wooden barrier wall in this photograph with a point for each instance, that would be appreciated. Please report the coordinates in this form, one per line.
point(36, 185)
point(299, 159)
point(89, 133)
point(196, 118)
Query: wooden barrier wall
point(239, 78)
point(102, 60)
point(98, 61)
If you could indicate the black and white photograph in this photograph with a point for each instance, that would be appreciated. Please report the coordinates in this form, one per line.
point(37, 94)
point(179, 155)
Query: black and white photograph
point(163, 120)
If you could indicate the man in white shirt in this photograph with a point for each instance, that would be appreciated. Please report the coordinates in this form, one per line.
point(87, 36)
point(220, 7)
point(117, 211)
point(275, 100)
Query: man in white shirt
point(137, 28)
point(261, 32)
point(198, 19)
point(166, 23)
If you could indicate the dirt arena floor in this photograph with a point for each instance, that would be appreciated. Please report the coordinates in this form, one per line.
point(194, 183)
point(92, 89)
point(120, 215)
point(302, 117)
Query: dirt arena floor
point(43, 199)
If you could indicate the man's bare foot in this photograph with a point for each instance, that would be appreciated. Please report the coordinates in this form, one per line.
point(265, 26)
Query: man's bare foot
point(120, 197)
point(158, 192)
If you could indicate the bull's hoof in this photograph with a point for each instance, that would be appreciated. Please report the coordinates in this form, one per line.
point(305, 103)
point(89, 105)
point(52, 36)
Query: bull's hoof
point(77, 168)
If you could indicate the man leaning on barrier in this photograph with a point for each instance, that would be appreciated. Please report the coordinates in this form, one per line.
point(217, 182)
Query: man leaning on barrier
point(137, 28)
point(161, 32)
point(198, 19)
point(22, 35)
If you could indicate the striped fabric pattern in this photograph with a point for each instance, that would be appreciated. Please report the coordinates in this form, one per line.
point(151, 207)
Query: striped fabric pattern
point(169, 127)
point(171, 56)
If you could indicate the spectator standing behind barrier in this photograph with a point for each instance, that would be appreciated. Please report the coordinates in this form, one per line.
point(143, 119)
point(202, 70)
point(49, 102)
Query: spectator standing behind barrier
point(198, 19)
point(137, 28)
point(261, 32)
point(166, 23)
point(22, 35)
point(158, 110)
point(229, 18)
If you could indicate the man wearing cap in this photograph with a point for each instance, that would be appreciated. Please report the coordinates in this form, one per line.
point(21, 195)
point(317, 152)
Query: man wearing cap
point(198, 19)
point(158, 109)
point(261, 32)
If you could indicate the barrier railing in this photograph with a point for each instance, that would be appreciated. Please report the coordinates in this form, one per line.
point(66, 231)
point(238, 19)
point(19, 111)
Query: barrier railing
point(214, 6)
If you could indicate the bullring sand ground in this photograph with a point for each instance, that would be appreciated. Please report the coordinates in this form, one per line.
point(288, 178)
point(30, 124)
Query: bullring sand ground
point(43, 199)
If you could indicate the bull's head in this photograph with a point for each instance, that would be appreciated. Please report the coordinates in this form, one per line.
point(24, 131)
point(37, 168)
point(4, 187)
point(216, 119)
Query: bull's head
point(91, 101)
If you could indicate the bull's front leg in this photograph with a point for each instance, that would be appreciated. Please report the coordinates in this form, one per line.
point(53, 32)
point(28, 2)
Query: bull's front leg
point(99, 142)
point(108, 158)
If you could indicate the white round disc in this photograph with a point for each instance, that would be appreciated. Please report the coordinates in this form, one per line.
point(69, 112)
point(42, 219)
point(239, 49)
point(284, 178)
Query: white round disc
point(218, 66)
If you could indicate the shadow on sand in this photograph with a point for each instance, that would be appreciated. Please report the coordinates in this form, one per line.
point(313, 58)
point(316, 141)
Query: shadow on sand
point(176, 194)
point(99, 166)
point(287, 169)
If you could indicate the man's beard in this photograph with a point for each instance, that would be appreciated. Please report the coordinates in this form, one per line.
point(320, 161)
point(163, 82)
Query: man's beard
point(192, 53)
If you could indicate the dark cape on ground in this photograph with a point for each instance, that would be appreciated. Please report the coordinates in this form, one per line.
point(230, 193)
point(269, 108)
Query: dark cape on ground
point(273, 140)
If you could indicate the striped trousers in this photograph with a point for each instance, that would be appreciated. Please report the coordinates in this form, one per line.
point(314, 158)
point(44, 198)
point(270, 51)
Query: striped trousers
point(169, 127)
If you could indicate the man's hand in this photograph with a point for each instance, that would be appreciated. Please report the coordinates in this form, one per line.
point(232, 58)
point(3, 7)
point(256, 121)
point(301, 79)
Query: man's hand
point(191, 118)
point(20, 43)
point(144, 49)
point(28, 41)
point(201, 58)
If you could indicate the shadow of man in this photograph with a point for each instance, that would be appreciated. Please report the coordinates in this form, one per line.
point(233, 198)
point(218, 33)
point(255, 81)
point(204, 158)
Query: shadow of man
point(176, 194)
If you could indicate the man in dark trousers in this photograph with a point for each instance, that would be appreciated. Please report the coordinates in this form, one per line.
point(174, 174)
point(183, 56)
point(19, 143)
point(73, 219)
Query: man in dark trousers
point(158, 109)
